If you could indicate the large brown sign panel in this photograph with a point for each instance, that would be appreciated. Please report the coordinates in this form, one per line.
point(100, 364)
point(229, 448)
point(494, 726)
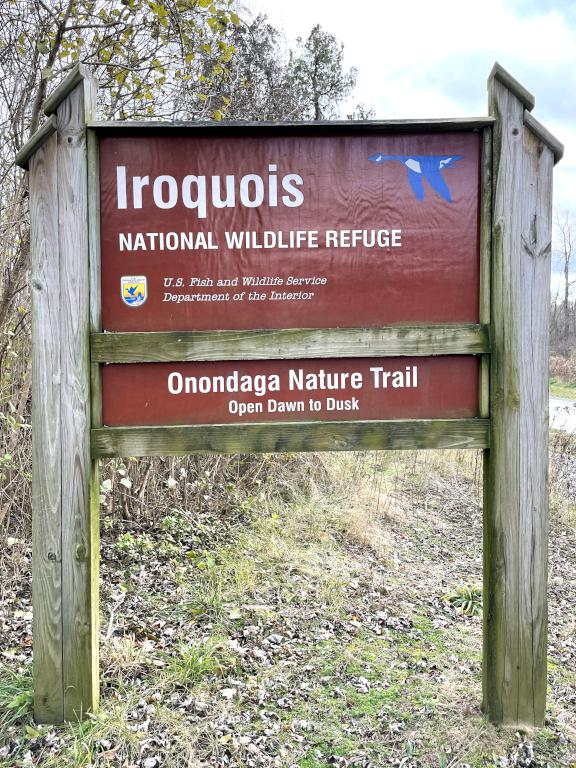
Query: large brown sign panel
point(295, 231)
point(290, 390)
point(311, 231)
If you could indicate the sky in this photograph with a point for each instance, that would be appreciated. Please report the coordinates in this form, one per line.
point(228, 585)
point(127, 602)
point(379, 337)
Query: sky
point(427, 59)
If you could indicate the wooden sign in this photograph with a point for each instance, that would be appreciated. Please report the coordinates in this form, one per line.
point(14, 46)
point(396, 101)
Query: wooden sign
point(320, 230)
point(260, 287)
point(290, 390)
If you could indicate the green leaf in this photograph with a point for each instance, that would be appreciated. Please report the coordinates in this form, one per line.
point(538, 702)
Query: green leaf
point(23, 699)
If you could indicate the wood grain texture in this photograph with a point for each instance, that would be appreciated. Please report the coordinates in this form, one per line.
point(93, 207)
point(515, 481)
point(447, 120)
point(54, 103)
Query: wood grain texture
point(94, 229)
point(286, 128)
point(289, 344)
point(538, 161)
point(35, 142)
point(289, 437)
point(541, 133)
point(79, 581)
point(515, 515)
point(94, 268)
point(485, 266)
point(93, 202)
point(46, 436)
point(93, 588)
point(79, 76)
point(510, 84)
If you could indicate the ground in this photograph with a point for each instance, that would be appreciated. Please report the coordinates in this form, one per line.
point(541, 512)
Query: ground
point(563, 376)
point(332, 619)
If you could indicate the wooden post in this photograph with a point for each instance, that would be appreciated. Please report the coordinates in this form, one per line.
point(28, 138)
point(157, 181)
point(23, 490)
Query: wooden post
point(516, 466)
point(46, 436)
point(65, 524)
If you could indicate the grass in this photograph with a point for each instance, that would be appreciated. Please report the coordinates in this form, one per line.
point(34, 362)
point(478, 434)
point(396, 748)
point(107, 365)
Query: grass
point(317, 635)
point(563, 389)
point(468, 599)
point(562, 479)
point(198, 660)
point(16, 697)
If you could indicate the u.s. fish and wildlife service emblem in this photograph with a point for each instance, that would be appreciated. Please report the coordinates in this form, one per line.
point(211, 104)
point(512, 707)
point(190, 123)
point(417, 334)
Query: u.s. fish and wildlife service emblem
point(134, 290)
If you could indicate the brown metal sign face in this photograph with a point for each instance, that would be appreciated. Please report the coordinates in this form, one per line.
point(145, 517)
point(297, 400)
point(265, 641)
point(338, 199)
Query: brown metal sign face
point(309, 231)
point(290, 390)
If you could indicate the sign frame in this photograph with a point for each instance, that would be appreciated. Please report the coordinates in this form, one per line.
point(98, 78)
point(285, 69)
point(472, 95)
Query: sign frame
point(69, 348)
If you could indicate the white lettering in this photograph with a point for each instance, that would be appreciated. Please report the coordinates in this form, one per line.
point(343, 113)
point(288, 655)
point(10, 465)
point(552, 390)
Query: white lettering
point(121, 186)
point(259, 384)
point(258, 198)
point(175, 383)
point(138, 182)
point(157, 191)
point(295, 197)
point(196, 192)
point(199, 202)
point(125, 241)
point(272, 187)
point(230, 199)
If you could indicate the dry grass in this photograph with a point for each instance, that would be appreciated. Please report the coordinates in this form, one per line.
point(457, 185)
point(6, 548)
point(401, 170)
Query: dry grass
point(312, 631)
point(563, 478)
point(563, 368)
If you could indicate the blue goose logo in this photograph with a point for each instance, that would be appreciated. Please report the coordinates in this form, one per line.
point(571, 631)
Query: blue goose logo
point(422, 167)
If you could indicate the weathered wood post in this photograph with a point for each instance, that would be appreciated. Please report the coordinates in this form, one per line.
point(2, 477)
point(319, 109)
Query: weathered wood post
point(516, 467)
point(65, 524)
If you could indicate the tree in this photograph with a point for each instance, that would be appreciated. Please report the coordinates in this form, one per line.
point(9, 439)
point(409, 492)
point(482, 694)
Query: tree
point(565, 226)
point(265, 81)
point(171, 59)
point(142, 52)
point(361, 112)
point(259, 84)
point(319, 74)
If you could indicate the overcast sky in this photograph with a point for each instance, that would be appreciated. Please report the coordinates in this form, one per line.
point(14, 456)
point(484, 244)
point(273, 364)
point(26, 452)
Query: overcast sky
point(424, 59)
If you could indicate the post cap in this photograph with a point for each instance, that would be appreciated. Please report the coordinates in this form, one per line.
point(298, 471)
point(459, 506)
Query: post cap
point(503, 76)
point(79, 73)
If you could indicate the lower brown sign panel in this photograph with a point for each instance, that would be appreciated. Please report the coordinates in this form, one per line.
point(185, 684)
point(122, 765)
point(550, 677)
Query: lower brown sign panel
point(227, 392)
